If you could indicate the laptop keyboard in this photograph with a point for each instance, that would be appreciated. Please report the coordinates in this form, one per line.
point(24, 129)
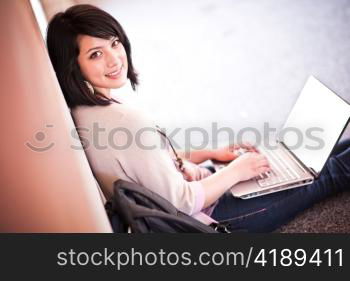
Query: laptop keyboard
point(281, 170)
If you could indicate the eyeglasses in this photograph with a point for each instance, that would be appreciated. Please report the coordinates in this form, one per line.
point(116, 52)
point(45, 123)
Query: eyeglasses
point(178, 159)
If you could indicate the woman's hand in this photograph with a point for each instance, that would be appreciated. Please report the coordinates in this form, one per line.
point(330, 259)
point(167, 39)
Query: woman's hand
point(244, 167)
point(250, 165)
point(231, 152)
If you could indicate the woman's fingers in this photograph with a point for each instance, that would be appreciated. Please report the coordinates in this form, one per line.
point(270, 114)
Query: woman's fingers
point(262, 169)
point(248, 146)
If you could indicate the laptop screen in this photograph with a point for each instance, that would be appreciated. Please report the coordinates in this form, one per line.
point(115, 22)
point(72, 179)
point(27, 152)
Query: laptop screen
point(315, 124)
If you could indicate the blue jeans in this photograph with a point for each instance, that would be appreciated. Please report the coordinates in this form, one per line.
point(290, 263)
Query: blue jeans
point(268, 212)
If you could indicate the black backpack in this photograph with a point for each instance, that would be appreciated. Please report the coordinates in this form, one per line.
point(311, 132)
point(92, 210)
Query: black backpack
point(137, 209)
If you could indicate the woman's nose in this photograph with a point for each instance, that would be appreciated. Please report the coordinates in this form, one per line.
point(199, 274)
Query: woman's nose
point(113, 60)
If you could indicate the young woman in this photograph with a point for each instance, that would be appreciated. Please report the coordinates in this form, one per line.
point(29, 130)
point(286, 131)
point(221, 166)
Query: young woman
point(91, 55)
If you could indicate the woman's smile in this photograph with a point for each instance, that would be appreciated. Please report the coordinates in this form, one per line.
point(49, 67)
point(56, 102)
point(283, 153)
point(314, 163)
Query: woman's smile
point(115, 74)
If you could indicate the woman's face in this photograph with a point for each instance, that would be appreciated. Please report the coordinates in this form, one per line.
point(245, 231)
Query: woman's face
point(102, 62)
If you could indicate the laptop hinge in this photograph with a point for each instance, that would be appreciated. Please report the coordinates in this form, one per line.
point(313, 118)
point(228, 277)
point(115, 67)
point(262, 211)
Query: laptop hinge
point(309, 169)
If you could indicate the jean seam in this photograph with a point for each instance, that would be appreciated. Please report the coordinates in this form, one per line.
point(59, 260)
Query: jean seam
point(249, 214)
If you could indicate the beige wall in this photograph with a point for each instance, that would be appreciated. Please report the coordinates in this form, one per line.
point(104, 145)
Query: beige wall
point(51, 7)
point(50, 191)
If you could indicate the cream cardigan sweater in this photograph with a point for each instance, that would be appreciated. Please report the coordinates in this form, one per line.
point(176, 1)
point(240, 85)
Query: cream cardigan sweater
point(121, 142)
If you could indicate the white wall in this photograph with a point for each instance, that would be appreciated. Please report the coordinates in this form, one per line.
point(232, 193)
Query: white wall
point(239, 63)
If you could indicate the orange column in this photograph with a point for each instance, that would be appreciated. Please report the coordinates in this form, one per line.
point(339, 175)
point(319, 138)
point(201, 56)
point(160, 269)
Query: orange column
point(45, 184)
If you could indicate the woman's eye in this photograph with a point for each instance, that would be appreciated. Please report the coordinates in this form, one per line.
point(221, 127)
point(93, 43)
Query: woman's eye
point(115, 43)
point(95, 55)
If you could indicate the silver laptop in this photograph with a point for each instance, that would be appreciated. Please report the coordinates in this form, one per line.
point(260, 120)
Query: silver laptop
point(320, 117)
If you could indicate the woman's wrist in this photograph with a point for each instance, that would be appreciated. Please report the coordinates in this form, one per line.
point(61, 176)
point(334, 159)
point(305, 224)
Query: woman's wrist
point(234, 171)
point(217, 184)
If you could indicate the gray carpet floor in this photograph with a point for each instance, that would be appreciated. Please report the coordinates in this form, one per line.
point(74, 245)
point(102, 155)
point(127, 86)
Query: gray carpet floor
point(329, 216)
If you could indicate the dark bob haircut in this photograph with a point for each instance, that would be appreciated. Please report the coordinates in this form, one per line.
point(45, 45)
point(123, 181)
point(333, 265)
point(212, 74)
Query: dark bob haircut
point(63, 49)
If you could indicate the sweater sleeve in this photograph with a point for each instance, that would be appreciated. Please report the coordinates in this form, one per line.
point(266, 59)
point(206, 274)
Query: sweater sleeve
point(143, 156)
